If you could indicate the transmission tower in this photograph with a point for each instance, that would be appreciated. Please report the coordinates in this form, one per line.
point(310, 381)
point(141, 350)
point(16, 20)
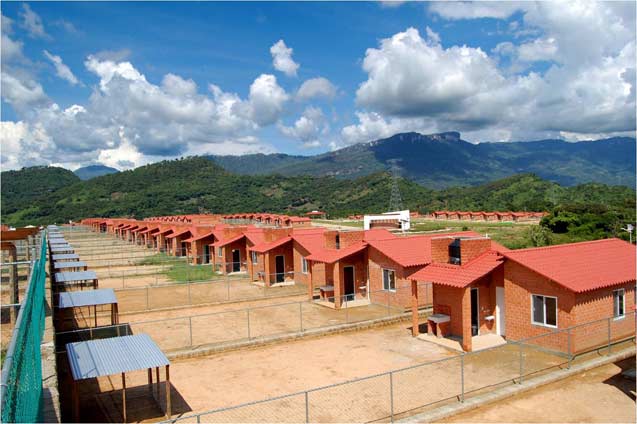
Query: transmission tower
point(395, 201)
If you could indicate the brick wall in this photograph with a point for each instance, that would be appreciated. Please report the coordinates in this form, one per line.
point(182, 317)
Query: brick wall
point(298, 253)
point(471, 248)
point(519, 284)
point(440, 249)
point(596, 305)
point(402, 296)
point(288, 261)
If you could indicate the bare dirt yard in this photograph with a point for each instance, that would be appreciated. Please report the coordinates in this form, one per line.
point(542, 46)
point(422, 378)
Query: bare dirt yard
point(595, 396)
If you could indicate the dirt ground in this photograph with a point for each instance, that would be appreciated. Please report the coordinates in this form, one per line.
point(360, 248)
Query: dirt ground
point(236, 377)
point(598, 395)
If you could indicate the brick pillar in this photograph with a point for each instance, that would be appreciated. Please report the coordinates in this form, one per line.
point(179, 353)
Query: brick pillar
point(336, 273)
point(266, 268)
point(414, 308)
point(310, 285)
point(466, 319)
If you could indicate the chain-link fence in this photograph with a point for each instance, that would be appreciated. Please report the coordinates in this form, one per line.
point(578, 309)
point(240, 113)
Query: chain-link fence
point(21, 386)
point(405, 392)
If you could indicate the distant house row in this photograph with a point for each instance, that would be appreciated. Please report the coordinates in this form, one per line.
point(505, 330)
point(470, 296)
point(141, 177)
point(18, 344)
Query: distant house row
point(474, 285)
point(487, 216)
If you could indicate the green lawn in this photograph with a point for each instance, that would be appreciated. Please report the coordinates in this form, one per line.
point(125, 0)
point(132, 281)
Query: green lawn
point(509, 234)
point(183, 272)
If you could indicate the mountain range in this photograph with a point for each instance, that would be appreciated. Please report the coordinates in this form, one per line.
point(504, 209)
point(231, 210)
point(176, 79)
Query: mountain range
point(445, 160)
point(92, 171)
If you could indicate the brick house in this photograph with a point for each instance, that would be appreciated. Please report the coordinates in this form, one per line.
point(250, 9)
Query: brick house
point(178, 245)
point(481, 288)
point(392, 261)
point(230, 249)
point(556, 287)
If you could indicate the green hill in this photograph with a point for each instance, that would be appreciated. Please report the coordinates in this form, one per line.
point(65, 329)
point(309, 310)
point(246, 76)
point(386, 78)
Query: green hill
point(197, 185)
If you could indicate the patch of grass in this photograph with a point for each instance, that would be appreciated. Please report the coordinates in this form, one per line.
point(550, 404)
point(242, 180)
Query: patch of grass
point(355, 224)
point(509, 234)
point(157, 259)
point(182, 272)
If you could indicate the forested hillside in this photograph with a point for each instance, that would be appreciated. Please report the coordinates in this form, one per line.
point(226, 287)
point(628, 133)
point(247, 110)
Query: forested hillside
point(197, 185)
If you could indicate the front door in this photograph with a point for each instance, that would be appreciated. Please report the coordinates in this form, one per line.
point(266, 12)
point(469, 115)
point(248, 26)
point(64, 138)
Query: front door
point(499, 311)
point(236, 261)
point(206, 254)
point(348, 280)
point(475, 326)
point(279, 268)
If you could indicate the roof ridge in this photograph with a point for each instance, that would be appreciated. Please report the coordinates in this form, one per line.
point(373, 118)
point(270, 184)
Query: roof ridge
point(557, 246)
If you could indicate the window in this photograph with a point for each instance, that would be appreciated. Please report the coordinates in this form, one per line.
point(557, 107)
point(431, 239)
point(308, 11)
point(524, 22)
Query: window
point(304, 265)
point(338, 241)
point(389, 280)
point(254, 258)
point(544, 310)
point(619, 303)
point(219, 252)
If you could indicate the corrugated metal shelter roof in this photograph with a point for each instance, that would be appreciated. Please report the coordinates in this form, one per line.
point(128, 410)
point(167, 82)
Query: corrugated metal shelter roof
point(62, 249)
point(69, 277)
point(115, 355)
point(581, 266)
point(77, 299)
point(459, 275)
point(65, 256)
point(68, 264)
point(58, 242)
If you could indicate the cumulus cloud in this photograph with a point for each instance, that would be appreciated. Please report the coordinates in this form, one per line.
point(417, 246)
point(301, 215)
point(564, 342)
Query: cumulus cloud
point(587, 87)
point(129, 121)
point(308, 128)
point(32, 22)
point(282, 59)
point(61, 70)
point(373, 126)
point(316, 88)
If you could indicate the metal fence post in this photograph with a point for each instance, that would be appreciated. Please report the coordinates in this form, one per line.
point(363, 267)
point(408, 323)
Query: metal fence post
point(189, 295)
point(608, 320)
point(190, 326)
point(307, 408)
point(301, 315)
point(147, 298)
point(462, 377)
point(248, 311)
point(521, 362)
point(570, 355)
point(391, 395)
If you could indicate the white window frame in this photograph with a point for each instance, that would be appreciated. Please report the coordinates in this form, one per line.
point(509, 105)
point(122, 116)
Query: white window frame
point(386, 287)
point(254, 257)
point(304, 265)
point(557, 309)
point(220, 252)
point(623, 294)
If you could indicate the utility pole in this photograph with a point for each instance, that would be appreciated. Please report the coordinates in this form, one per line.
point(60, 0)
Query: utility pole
point(395, 200)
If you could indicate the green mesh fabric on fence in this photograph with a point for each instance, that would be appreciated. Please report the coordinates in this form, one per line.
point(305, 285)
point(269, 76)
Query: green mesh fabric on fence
point(22, 369)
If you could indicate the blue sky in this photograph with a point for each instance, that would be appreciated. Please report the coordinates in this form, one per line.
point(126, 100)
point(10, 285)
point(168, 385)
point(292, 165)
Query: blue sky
point(129, 83)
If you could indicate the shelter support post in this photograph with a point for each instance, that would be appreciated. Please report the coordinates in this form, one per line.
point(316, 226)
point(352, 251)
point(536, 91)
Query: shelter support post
point(168, 406)
point(124, 396)
point(415, 330)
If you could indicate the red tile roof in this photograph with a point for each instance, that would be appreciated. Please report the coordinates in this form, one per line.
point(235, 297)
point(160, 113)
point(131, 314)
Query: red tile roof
point(459, 275)
point(264, 247)
point(581, 266)
point(413, 250)
point(178, 234)
point(332, 255)
point(378, 234)
point(201, 237)
point(221, 243)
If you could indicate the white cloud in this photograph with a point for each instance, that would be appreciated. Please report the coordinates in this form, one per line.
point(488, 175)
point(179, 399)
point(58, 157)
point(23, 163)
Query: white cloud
point(32, 22)
point(308, 128)
point(373, 126)
point(588, 88)
point(316, 88)
point(475, 9)
point(282, 59)
point(129, 121)
point(266, 100)
point(61, 70)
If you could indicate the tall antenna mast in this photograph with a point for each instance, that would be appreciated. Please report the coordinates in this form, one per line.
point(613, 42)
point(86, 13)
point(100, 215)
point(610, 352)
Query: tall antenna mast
point(395, 201)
